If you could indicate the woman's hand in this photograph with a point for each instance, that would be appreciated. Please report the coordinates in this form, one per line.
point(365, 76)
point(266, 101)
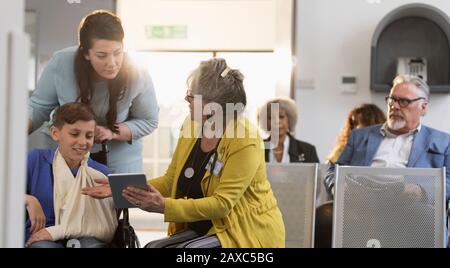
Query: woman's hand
point(103, 134)
point(42, 235)
point(35, 213)
point(99, 192)
point(149, 200)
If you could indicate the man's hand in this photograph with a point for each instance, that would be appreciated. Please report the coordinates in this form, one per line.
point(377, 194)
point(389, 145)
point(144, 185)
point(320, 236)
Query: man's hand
point(415, 192)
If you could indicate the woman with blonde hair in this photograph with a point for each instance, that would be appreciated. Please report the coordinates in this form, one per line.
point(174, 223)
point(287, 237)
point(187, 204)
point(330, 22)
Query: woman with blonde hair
point(363, 115)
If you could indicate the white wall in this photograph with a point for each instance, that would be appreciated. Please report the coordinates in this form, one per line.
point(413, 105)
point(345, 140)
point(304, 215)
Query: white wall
point(58, 22)
point(209, 25)
point(333, 39)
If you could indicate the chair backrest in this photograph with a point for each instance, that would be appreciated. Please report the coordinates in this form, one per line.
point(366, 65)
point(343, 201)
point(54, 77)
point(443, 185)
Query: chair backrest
point(321, 193)
point(294, 186)
point(389, 207)
point(324, 211)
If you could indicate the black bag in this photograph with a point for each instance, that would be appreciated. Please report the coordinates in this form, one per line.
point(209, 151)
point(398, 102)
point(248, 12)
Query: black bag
point(101, 156)
point(124, 237)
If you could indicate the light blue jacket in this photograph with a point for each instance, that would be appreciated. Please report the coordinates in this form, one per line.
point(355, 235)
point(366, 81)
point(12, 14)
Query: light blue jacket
point(138, 108)
point(430, 149)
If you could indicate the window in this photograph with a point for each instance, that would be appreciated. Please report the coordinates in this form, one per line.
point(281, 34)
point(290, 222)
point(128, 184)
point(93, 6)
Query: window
point(169, 71)
point(259, 77)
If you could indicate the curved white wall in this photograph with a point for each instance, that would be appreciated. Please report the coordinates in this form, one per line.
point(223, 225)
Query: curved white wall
point(333, 39)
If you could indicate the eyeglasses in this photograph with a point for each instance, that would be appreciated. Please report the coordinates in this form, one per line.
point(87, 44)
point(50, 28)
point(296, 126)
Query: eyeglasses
point(189, 98)
point(402, 102)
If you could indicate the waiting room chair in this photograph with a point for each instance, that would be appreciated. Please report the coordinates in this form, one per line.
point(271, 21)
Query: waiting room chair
point(294, 186)
point(324, 211)
point(321, 193)
point(389, 207)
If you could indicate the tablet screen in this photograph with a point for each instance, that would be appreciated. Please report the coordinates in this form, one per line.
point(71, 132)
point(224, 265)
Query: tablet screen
point(118, 182)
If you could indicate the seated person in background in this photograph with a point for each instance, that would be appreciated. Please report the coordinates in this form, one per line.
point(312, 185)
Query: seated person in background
point(361, 116)
point(402, 141)
point(57, 210)
point(215, 192)
point(285, 148)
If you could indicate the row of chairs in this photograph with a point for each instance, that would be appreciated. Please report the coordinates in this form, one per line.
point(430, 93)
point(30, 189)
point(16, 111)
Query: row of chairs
point(372, 207)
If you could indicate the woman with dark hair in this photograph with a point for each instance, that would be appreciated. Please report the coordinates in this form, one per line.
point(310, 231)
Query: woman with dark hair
point(99, 74)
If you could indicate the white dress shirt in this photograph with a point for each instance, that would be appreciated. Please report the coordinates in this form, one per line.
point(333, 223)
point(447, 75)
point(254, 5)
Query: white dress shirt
point(394, 150)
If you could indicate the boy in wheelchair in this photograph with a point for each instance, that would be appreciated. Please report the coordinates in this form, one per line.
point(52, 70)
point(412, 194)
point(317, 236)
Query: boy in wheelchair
point(58, 215)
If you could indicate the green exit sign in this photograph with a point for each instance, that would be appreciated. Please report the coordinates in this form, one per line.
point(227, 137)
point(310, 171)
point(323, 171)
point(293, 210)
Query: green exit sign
point(166, 31)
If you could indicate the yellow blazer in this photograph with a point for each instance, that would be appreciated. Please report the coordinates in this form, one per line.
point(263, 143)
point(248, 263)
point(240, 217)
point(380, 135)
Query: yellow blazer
point(239, 201)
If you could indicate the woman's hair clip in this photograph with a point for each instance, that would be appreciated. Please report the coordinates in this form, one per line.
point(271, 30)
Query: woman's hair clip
point(225, 72)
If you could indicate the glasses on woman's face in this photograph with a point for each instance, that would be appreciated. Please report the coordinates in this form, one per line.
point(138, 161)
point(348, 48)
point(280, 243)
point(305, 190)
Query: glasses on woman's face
point(402, 102)
point(189, 97)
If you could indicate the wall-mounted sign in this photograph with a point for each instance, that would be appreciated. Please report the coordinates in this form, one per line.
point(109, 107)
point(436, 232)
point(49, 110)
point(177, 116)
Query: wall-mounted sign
point(199, 25)
point(166, 31)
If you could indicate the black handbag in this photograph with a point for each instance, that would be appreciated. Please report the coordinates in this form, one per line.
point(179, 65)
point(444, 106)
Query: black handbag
point(101, 156)
point(125, 237)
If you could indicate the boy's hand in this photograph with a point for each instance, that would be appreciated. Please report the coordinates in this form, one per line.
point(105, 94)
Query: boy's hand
point(35, 212)
point(42, 235)
point(99, 192)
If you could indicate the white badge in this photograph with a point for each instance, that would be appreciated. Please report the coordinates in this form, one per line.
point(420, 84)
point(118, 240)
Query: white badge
point(217, 167)
point(189, 172)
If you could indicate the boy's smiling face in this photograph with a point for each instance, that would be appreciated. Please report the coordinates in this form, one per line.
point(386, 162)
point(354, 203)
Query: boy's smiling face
point(74, 140)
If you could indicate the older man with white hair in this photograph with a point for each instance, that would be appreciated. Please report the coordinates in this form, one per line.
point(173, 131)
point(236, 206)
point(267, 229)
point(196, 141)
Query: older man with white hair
point(403, 141)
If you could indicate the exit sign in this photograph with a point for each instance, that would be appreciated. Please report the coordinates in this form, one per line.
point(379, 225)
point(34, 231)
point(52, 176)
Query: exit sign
point(166, 31)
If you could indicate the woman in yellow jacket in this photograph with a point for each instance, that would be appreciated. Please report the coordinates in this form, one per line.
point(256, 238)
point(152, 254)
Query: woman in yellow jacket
point(215, 192)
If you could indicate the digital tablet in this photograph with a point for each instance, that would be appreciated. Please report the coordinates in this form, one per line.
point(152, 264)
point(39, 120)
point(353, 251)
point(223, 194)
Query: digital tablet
point(118, 182)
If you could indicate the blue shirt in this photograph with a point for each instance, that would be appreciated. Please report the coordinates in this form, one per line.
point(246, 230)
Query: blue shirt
point(40, 182)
